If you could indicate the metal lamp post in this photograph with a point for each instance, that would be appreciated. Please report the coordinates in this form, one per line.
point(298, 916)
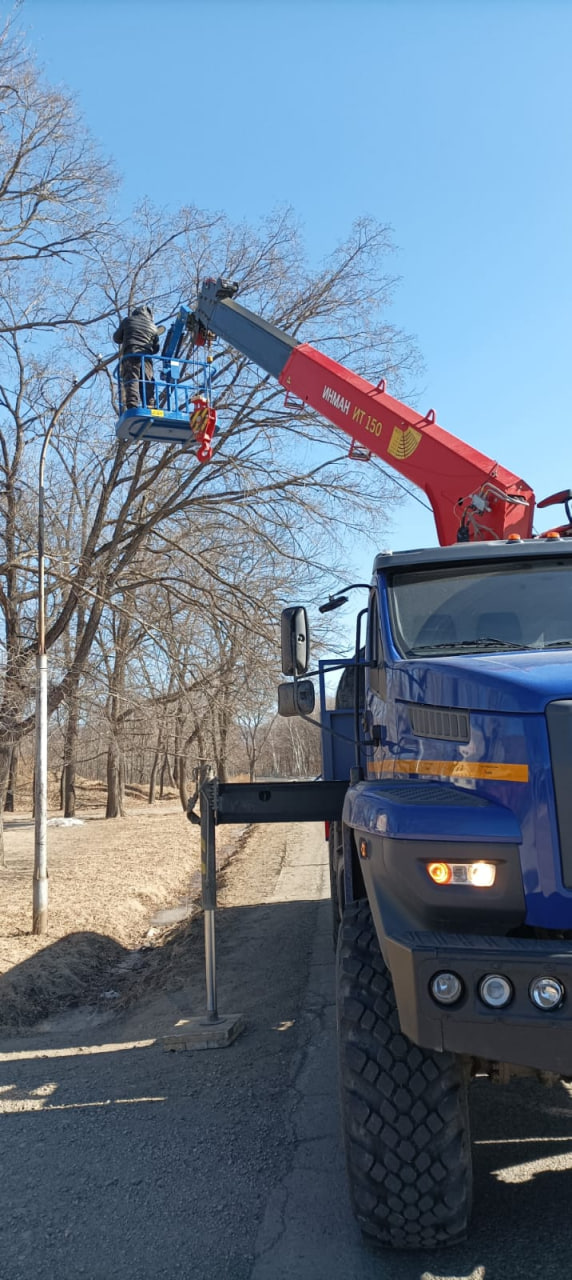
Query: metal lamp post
point(40, 890)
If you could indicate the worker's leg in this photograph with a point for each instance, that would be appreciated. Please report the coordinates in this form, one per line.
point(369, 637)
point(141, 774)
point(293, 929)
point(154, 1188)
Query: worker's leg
point(130, 369)
point(149, 385)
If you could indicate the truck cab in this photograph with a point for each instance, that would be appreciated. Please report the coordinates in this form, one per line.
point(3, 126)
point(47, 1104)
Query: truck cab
point(466, 746)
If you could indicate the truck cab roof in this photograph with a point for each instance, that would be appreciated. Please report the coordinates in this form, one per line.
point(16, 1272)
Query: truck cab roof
point(472, 553)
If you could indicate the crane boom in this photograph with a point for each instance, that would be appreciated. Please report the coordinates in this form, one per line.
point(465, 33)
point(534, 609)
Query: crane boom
point(473, 498)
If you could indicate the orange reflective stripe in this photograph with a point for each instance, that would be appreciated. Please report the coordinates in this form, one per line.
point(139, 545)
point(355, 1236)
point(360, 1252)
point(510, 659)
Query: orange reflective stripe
point(453, 769)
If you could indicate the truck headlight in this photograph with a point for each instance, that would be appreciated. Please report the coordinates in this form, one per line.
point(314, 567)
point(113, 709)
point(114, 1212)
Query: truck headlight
point(480, 874)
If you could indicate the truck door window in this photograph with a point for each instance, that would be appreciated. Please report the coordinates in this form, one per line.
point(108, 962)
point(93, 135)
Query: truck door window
point(374, 648)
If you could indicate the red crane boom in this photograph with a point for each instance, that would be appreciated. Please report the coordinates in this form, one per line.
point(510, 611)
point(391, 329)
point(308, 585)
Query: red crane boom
point(473, 497)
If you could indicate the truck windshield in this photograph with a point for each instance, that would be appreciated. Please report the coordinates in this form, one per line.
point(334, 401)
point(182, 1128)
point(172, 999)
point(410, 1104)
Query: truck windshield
point(487, 609)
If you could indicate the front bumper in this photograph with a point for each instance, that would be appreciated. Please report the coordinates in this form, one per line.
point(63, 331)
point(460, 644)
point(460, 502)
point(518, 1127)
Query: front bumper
point(424, 929)
point(518, 1034)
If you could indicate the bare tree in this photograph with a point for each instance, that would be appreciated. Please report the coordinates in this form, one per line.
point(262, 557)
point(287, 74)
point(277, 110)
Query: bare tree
point(255, 721)
point(291, 750)
point(121, 521)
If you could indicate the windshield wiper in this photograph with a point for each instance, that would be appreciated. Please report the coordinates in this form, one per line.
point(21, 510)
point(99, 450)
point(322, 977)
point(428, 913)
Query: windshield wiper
point(558, 644)
point(481, 642)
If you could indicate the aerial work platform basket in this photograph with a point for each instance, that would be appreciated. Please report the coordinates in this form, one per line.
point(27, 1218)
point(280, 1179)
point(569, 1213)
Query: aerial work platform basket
point(174, 401)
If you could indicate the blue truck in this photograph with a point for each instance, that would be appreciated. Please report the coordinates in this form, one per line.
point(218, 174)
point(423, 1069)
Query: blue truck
point(447, 794)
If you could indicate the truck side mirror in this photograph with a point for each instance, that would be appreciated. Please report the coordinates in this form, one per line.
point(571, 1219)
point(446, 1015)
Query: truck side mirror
point(295, 641)
point(297, 699)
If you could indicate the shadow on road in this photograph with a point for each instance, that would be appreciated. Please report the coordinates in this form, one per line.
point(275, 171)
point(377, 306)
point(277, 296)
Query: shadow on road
point(67, 972)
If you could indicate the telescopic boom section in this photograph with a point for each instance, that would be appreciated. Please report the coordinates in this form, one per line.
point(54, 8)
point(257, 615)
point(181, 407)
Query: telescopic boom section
point(473, 498)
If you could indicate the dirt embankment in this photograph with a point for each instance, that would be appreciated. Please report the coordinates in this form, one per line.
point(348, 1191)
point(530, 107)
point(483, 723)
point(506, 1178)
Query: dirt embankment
point(107, 878)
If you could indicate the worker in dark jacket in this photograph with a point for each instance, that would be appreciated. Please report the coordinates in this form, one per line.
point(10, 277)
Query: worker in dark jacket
point(138, 336)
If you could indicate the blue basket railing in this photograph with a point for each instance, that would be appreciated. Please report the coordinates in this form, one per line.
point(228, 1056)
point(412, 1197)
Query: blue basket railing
point(172, 386)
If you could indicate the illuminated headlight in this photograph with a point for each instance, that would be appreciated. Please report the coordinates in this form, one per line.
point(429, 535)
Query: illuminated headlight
point(480, 874)
point(546, 993)
point(446, 988)
point(495, 990)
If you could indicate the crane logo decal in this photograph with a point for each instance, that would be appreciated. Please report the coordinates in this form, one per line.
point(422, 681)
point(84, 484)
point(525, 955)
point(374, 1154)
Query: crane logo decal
point(403, 442)
point(338, 401)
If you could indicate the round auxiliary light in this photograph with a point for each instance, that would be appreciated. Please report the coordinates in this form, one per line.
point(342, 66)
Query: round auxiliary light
point(546, 993)
point(495, 991)
point(440, 872)
point(446, 988)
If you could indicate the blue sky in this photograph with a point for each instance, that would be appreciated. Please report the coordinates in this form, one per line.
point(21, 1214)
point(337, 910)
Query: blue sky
point(449, 120)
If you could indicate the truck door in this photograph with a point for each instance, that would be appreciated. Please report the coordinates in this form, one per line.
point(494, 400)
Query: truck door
point(375, 688)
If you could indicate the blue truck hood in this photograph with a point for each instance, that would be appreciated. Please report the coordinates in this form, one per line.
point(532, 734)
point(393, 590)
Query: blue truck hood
point(509, 682)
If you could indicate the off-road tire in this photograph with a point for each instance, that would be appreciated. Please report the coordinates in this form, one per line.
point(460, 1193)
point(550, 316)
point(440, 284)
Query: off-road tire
point(404, 1109)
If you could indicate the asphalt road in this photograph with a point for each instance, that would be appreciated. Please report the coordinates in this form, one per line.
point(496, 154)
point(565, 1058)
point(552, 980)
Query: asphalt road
point(119, 1159)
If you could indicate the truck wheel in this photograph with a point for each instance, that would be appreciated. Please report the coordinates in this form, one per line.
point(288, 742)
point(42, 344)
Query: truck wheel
point(335, 856)
point(404, 1109)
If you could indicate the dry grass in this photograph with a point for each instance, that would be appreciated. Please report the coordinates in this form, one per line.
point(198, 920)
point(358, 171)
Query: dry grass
point(106, 880)
point(90, 793)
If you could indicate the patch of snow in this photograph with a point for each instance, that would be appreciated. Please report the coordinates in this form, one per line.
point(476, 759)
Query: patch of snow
point(65, 822)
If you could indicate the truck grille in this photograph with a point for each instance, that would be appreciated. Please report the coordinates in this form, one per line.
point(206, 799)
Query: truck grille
point(559, 720)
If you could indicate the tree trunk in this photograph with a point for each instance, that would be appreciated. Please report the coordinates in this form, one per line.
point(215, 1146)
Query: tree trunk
point(12, 780)
point(115, 781)
point(154, 769)
point(166, 773)
point(5, 762)
point(153, 778)
point(223, 719)
point(195, 737)
point(69, 790)
point(164, 767)
point(70, 756)
point(179, 720)
point(182, 777)
point(221, 754)
point(116, 711)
